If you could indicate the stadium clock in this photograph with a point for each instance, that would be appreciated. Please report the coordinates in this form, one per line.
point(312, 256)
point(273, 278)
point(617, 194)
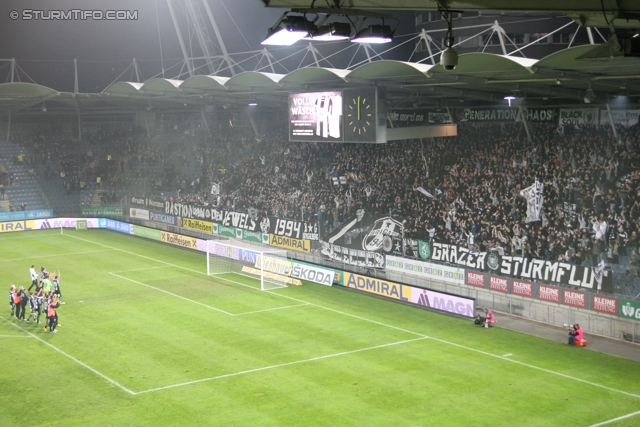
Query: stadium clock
point(360, 115)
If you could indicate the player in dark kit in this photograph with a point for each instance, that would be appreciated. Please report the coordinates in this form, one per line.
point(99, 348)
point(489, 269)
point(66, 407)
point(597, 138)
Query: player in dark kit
point(35, 301)
point(56, 286)
point(21, 303)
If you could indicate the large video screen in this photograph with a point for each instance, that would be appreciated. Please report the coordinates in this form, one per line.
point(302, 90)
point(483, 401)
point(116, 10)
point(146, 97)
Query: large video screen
point(315, 116)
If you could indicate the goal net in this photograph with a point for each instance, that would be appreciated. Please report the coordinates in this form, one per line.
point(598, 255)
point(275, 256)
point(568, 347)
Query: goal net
point(270, 266)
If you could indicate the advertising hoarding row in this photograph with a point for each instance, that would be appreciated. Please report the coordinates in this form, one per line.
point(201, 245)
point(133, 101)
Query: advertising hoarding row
point(624, 308)
point(22, 215)
point(440, 301)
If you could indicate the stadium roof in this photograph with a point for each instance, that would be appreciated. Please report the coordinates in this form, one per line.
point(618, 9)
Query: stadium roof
point(479, 79)
point(622, 13)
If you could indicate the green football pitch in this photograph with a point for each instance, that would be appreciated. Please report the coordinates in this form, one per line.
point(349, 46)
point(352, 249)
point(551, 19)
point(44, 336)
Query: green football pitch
point(148, 339)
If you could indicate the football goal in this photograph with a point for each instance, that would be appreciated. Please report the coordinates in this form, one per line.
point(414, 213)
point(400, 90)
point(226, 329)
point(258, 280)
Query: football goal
point(270, 266)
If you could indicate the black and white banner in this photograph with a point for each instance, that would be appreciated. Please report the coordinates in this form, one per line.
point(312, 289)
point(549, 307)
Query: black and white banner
point(355, 257)
point(534, 197)
point(578, 116)
point(246, 221)
point(289, 228)
point(339, 180)
point(366, 236)
point(216, 189)
point(146, 202)
point(523, 268)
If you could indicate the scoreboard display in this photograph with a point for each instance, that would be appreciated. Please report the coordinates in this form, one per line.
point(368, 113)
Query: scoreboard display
point(336, 116)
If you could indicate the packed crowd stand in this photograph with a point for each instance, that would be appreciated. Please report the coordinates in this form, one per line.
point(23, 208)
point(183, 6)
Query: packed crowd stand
point(473, 183)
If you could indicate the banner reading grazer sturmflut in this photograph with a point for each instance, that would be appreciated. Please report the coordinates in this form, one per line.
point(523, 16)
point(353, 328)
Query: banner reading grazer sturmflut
point(523, 268)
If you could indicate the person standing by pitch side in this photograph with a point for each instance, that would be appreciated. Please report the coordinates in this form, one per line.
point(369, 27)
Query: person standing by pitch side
point(34, 277)
point(21, 303)
point(12, 299)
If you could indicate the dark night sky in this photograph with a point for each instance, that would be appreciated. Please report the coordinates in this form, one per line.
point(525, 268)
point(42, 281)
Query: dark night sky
point(45, 49)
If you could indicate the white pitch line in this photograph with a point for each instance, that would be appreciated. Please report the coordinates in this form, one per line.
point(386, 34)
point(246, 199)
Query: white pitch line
point(55, 255)
point(199, 303)
point(507, 355)
point(265, 368)
point(382, 324)
point(172, 294)
point(270, 309)
point(141, 269)
point(15, 336)
point(624, 417)
point(335, 311)
point(549, 371)
point(84, 365)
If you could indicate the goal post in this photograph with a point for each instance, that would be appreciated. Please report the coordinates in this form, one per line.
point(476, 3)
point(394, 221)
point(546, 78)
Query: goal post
point(270, 266)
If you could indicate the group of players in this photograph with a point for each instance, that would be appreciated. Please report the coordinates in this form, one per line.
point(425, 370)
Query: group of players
point(46, 298)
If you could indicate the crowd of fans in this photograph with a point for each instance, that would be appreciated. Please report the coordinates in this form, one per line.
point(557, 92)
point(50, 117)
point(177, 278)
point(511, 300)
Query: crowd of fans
point(471, 185)
point(462, 190)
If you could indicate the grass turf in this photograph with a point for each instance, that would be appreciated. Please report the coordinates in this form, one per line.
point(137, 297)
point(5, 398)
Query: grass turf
point(148, 339)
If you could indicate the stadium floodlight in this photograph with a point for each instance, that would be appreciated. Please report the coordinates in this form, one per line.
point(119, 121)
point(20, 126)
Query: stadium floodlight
point(331, 32)
point(253, 104)
point(374, 34)
point(288, 30)
point(589, 96)
point(509, 98)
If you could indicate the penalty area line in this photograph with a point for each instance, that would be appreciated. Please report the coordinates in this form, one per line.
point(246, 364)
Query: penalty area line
point(281, 365)
point(79, 362)
point(613, 420)
point(270, 309)
point(56, 255)
point(173, 295)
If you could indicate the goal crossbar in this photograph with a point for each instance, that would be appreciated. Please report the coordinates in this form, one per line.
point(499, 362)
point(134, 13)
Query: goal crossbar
point(270, 266)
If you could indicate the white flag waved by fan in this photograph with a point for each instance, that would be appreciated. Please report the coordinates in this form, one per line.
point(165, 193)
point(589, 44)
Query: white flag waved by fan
point(533, 196)
point(598, 273)
point(425, 192)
